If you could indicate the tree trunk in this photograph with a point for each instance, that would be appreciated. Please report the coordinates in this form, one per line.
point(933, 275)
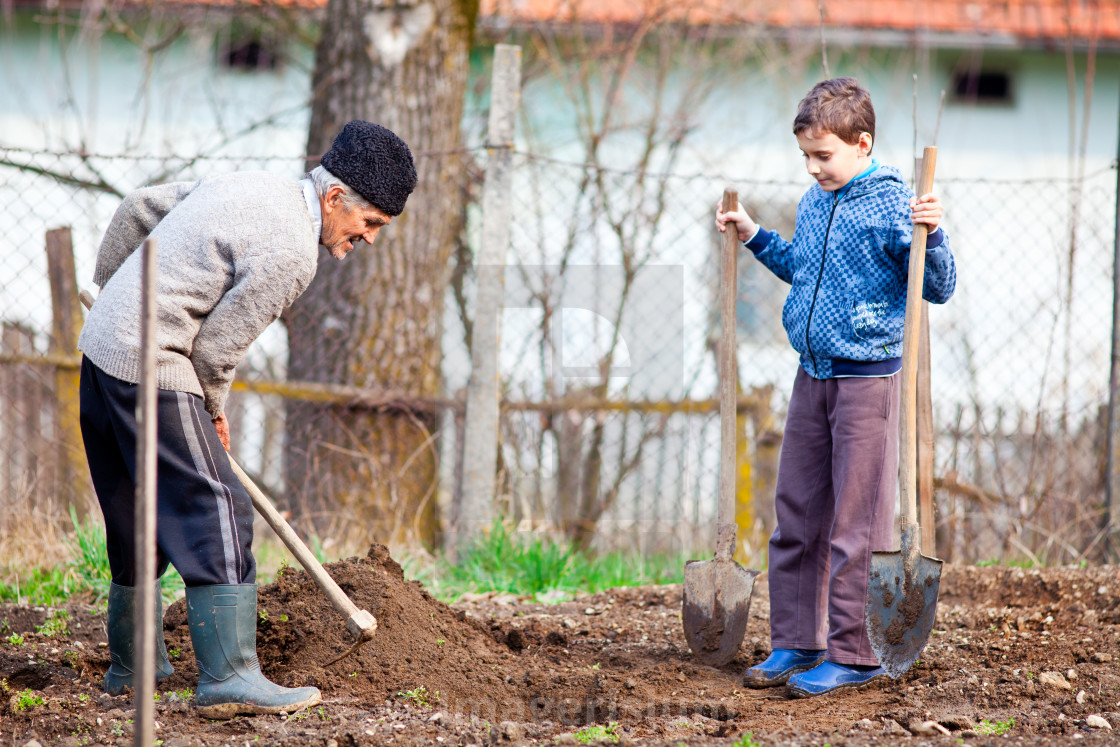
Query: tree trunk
point(374, 320)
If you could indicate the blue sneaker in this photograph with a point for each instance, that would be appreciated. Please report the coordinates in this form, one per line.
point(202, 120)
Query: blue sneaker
point(780, 665)
point(829, 677)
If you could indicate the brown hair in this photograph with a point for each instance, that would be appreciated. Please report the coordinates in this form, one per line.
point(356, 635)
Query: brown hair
point(840, 106)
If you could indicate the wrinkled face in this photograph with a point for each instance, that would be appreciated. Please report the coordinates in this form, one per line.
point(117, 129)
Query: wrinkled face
point(342, 225)
point(831, 161)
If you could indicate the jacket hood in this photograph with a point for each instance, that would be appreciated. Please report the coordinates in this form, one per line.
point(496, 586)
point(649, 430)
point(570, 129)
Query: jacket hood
point(874, 181)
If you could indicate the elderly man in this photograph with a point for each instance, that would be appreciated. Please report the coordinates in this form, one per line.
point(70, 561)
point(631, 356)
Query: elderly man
point(234, 251)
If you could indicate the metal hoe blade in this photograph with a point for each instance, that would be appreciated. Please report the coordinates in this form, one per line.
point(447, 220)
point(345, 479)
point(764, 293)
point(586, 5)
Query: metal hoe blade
point(901, 603)
point(717, 605)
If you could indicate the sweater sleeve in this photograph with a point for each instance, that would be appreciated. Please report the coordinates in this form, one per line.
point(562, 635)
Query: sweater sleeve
point(264, 285)
point(940, 278)
point(133, 222)
point(774, 252)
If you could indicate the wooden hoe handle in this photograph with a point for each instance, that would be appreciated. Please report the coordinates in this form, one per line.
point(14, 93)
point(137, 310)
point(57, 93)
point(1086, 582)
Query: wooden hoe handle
point(360, 623)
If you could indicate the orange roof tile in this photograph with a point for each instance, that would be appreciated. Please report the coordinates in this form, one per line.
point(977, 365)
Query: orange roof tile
point(1014, 20)
point(1026, 19)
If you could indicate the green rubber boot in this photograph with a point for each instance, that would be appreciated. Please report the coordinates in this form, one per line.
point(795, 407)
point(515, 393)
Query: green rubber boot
point(120, 625)
point(223, 621)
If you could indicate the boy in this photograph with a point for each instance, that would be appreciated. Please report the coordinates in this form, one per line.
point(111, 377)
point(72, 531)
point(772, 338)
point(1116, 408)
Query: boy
point(838, 474)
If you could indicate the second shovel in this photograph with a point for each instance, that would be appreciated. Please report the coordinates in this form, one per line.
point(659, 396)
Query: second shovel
point(902, 590)
point(717, 593)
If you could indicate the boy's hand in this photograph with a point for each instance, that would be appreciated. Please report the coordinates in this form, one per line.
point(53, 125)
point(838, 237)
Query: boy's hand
point(926, 209)
point(744, 226)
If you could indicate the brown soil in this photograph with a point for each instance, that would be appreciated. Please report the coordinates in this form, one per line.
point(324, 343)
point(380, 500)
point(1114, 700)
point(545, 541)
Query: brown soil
point(1041, 647)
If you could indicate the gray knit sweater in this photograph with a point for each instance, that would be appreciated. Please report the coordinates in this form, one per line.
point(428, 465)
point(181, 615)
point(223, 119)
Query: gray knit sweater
point(234, 251)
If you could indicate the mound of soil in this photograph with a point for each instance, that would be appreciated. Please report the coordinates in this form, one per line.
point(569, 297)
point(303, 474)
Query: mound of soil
point(1035, 654)
point(420, 642)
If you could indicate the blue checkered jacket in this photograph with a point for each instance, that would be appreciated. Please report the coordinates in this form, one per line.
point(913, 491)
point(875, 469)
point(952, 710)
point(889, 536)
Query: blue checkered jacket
point(847, 265)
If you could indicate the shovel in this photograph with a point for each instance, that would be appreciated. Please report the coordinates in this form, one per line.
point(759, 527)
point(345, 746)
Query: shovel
point(360, 623)
point(717, 593)
point(902, 593)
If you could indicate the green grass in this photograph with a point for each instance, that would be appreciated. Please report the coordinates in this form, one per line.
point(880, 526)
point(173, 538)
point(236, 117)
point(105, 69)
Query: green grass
point(996, 728)
point(499, 560)
point(596, 733)
point(1024, 563)
point(526, 564)
point(85, 572)
point(27, 699)
point(420, 696)
point(57, 623)
point(1028, 563)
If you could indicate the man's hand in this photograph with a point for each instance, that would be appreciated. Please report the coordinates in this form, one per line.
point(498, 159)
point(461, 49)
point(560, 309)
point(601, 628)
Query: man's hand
point(745, 227)
point(926, 209)
point(222, 425)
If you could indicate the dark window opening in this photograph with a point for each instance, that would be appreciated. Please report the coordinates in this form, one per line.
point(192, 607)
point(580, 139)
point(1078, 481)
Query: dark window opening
point(251, 54)
point(982, 86)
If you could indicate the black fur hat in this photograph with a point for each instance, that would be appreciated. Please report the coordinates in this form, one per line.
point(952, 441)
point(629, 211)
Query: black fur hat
point(375, 162)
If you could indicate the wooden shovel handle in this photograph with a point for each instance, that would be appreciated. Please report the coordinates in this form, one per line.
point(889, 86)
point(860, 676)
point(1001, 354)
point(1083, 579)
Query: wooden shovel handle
point(908, 427)
point(728, 385)
point(925, 439)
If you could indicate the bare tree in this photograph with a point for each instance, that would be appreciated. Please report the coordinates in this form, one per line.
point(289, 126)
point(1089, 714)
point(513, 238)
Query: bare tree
point(633, 113)
point(375, 320)
point(84, 47)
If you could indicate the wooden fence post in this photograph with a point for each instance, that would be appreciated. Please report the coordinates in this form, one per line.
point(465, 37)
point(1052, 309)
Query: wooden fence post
point(21, 420)
point(72, 482)
point(766, 447)
point(480, 442)
point(1112, 480)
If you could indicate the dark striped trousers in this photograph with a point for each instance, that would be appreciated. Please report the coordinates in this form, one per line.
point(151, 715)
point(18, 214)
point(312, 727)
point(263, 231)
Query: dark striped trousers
point(204, 523)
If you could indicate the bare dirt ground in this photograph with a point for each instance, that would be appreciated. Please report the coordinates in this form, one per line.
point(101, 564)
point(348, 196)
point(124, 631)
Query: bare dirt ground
point(1035, 654)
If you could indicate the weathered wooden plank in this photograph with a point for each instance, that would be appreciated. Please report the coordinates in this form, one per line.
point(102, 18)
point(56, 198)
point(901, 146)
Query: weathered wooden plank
point(72, 484)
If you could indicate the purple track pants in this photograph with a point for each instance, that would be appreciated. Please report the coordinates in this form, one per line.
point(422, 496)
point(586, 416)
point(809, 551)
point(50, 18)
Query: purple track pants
point(836, 493)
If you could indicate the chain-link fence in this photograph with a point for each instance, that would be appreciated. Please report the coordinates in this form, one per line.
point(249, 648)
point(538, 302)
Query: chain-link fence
point(609, 425)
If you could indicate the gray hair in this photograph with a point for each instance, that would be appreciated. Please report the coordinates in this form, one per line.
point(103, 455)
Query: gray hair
point(325, 180)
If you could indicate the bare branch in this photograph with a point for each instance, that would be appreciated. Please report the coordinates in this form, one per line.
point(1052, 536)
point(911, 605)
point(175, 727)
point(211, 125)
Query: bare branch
point(940, 110)
point(99, 185)
point(824, 48)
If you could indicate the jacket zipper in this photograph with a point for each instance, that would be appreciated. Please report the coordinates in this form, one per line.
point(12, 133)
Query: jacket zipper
point(820, 274)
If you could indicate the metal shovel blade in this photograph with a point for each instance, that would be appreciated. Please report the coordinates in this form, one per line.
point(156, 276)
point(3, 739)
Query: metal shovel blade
point(901, 603)
point(716, 607)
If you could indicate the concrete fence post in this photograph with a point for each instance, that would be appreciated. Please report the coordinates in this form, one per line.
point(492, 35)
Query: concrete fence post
point(474, 511)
